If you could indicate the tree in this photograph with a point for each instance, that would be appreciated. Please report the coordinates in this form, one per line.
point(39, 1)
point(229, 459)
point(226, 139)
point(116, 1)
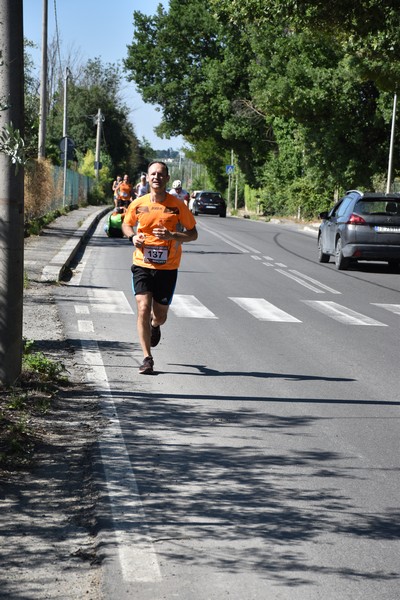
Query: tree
point(301, 92)
point(95, 86)
point(194, 69)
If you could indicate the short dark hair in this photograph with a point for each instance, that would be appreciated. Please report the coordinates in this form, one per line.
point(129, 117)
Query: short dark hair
point(158, 162)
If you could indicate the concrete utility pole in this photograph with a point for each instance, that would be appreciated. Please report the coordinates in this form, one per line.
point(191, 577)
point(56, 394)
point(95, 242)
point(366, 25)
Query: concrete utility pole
point(99, 121)
point(11, 193)
point(390, 164)
point(43, 87)
point(65, 134)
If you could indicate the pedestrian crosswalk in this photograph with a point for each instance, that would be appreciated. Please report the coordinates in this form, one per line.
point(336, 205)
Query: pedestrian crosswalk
point(189, 306)
point(344, 315)
point(264, 311)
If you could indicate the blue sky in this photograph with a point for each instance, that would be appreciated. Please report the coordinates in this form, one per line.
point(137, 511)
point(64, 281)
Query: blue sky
point(99, 28)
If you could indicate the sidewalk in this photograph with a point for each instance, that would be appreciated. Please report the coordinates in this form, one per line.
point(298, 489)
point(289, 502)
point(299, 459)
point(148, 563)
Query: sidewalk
point(48, 545)
point(48, 254)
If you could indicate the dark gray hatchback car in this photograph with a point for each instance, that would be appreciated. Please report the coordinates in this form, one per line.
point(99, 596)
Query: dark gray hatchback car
point(211, 203)
point(361, 226)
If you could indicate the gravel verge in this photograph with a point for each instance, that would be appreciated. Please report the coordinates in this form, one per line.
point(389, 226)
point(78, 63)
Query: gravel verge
point(48, 523)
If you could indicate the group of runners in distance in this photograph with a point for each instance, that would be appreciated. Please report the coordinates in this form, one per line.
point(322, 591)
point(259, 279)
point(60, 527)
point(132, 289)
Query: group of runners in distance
point(124, 192)
point(156, 223)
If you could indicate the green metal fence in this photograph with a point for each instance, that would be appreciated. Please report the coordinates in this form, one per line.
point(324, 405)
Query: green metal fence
point(77, 188)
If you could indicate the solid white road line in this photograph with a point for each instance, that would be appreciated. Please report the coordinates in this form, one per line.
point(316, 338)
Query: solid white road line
point(263, 310)
point(229, 240)
point(301, 281)
point(189, 306)
point(318, 283)
point(343, 314)
point(394, 308)
point(137, 557)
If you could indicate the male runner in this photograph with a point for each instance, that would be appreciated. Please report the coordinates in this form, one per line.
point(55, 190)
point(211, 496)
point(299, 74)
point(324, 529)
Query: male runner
point(156, 258)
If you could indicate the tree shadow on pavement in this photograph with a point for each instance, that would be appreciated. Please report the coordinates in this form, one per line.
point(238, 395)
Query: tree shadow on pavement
point(254, 489)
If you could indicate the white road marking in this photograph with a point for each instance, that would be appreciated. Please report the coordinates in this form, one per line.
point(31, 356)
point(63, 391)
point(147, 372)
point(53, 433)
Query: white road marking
point(229, 240)
point(268, 264)
point(109, 301)
point(394, 308)
point(256, 257)
point(78, 272)
point(81, 309)
point(189, 306)
point(137, 557)
point(301, 281)
point(263, 310)
point(268, 258)
point(343, 314)
point(85, 326)
point(318, 283)
point(281, 265)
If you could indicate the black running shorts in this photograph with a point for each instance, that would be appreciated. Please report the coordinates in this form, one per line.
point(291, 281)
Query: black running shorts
point(159, 282)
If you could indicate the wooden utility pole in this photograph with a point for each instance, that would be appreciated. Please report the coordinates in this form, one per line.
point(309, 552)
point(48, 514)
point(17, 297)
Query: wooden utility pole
point(11, 192)
point(43, 87)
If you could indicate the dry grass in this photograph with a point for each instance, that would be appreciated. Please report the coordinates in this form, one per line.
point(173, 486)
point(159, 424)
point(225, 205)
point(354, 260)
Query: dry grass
point(40, 190)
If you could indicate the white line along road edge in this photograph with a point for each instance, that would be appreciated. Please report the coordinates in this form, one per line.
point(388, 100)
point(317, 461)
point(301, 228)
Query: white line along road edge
point(137, 557)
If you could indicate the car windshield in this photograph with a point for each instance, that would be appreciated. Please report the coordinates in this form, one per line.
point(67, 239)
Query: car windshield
point(211, 196)
point(378, 206)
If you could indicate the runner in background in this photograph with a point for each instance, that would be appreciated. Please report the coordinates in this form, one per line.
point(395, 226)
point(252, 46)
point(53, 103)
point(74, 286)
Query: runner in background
point(179, 192)
point(115, 187)
point(142, 187)
point(124, 192)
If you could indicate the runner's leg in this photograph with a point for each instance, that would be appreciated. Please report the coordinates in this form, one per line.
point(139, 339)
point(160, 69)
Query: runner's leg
point(143, 303)
point(159, 314)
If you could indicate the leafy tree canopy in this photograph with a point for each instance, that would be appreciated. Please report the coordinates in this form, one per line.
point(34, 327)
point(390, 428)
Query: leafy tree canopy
point(300, 91)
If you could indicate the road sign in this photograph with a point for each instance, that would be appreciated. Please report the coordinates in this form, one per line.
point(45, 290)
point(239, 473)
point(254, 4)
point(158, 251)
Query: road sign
point(229, 169)
point(70, 148)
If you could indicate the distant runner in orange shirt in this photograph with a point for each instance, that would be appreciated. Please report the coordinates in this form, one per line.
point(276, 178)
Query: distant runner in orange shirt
point(158, 217)
point(124, 192)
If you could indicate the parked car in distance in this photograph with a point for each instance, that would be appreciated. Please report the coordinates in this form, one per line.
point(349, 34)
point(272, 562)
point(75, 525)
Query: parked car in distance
point(206, 202)
point(361, 226)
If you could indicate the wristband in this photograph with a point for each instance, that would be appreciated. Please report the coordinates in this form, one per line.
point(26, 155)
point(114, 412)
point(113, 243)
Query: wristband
point(130, 238)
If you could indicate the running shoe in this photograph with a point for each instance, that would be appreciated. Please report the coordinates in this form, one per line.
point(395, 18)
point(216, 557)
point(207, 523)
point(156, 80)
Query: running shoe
point(146, 368)
point(155, 335)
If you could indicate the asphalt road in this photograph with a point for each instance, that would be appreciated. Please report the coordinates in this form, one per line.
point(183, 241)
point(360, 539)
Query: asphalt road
point(261, 461)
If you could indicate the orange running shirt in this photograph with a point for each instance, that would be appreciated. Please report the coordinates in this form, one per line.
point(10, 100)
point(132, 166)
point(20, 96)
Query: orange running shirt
point(147, 215)
point(124, 191)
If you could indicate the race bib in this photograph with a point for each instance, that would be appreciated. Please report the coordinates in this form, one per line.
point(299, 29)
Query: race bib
point(155, 254)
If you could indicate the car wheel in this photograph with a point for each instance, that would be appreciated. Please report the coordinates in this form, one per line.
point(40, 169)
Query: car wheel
point(222, 214)
point(341, 262)
point(322, 257)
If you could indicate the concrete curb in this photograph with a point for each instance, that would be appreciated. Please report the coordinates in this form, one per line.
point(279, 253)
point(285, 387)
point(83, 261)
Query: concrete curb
point(54, 270)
